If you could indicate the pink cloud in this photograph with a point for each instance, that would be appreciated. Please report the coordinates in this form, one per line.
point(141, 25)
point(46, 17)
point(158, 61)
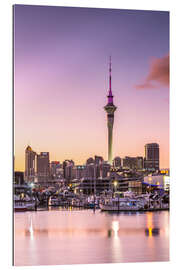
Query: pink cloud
point(158, 73)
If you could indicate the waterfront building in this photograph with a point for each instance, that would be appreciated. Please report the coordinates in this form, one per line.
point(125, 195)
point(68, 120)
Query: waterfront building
point(30, 157)
point(98, 186)
point(91, 186)
point(43, 170)
point(127, 180)
point(164, 171)
point(131, 184)
point(160, 181)
point(151, 160)
point(110, 109)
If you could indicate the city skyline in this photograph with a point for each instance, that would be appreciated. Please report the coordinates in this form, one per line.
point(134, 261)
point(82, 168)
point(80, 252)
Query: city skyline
point(61, 81)
point(144, 156)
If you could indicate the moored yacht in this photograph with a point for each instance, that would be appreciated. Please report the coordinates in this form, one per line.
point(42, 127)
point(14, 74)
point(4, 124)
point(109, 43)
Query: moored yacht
point(121, 204)
point(26, 204)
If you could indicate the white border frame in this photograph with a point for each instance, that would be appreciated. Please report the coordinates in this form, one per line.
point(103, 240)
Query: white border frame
point(6, 124)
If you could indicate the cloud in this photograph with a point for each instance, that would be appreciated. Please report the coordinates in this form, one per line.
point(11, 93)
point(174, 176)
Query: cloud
point(158, 74)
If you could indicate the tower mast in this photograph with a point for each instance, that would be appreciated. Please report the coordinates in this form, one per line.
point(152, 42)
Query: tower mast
point(110, 108)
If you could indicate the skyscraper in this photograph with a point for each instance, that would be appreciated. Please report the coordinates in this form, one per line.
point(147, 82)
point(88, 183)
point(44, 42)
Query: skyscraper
point(68, 170)
point(54, 165)
point(80, 171)
point(30, 156)
point(98, 160)
point(110, 109)
point(43, 170)
point(151, 160)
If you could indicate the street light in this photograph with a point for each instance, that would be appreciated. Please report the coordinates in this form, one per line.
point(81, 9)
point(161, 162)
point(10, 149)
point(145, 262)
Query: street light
point(32, 185)
point(115, 184)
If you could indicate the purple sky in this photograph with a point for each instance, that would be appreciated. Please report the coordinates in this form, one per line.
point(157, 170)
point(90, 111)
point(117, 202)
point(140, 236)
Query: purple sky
point(61, 81)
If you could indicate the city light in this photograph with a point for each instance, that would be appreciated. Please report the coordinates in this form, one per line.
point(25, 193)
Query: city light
point(115, 183)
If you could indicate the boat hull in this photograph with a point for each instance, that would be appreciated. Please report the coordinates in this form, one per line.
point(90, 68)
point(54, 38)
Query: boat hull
point(24, 207)
point(119, 208)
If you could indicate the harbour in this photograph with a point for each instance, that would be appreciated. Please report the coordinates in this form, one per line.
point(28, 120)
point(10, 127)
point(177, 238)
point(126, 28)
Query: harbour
point(26, 200)
point(70, 235)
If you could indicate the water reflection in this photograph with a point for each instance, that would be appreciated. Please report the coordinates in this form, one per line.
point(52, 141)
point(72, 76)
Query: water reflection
point(152, 232)
point(111, 232)
point(118, 213)
point(90, 237)
point(31, 232)
point(116, 241)
point(115, 227)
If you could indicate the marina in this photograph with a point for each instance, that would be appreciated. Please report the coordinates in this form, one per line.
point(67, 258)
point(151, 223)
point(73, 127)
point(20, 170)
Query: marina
point(25, 200)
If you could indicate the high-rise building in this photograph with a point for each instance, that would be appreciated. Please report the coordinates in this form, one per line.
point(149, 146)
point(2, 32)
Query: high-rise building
point(89, 161)
point(64, 168)
point(54, 166)
point(129, 162)
point(110, 109)
point(93, 167)
point(90, 172)
point(68, 170)
point(98, 160)
point(19, 178)
point(30, 156)
point(139, 163)
point(135, 163)
point(43, 170)
point(117, 162)
point(104, 169)
point(80, 171)
point(151, 160)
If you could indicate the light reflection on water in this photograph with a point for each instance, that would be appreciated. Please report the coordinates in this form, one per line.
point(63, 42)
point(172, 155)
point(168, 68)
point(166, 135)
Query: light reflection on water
point(85, 236)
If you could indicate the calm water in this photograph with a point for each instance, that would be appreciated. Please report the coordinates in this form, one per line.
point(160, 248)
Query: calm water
point(84, 236)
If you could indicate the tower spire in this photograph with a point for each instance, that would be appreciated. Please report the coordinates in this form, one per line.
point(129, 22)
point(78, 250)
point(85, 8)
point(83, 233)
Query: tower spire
point(110, 73)
point(110, 96)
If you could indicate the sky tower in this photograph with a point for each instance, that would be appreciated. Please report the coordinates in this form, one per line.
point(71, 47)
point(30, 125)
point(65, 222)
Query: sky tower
point(110, 109)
